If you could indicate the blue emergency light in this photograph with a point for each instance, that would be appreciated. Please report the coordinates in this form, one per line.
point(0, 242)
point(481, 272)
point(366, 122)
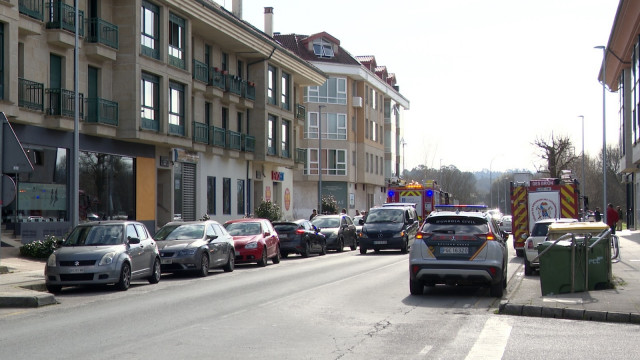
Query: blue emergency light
point(390, 193)
point(429, 193)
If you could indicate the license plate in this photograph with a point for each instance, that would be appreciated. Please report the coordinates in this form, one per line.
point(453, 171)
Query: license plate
point(380, 242)
point(454, 250)
point(76, 270)
point(284, 236)
point(167, 261)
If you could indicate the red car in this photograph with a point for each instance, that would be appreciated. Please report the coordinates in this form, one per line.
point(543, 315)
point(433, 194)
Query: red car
point(255, 240)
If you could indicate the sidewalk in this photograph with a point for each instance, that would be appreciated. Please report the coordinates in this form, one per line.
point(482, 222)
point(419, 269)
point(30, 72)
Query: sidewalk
point(22, 285)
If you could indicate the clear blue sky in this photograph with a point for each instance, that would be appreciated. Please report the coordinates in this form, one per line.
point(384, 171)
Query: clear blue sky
point(486, 76)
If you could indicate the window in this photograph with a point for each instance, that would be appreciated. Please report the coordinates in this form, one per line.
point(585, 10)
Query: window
point(225, 118)
point(176, 41)
point(334, 126)
point(312, 129)
point(271, 86)
point(240, 197)
point(271, 135)
point(176, 109)
point(226, 196)
point(285, 92)
point(149, 102)
point(334, 162)
point(333, 91)
point(239, 121)
point(239, 72)
point(225, 62)
point(211, 195)
point(207, 113)
point(284, 148)
point(323, 48)
point(1, 61)
point(150, 34)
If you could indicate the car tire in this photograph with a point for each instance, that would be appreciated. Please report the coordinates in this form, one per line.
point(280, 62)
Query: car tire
point(125, 277)
point(204, 265)
point(156, 272)
point(354, 245)
point(323, 250)
point(363, 251)
point(54, 289)
point(528, 269)
point(340, 245)
point(416, 287)
point(305, 250)
point(231, 263)
point(496, 290)
point(284, 255)
point(520, 252)
point(276, 258)
point(263, 260)
point(405, 246)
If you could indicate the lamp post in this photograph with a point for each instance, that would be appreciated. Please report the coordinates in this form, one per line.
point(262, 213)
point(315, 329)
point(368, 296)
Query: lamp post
point(403, 143)
point(491, 181)
point(604, 133)
point(583, 178)
point(320, 158)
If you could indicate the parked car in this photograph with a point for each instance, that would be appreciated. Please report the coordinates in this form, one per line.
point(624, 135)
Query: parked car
point(389, 227)
point(458, 248)
point(538, 235)
point(505, 224)
point(338, 229)
point(255, 240)
point(104, 252)
point(300, 237)
point(195, 246)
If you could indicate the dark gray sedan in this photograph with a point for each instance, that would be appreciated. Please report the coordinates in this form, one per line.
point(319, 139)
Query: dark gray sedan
point(300, 237)
point(338, 229)
point(195, 246)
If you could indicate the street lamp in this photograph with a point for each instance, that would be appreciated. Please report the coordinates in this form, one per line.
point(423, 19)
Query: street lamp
point(403, 143)
point(320, 158)
point(583, 179)
point(604, 132)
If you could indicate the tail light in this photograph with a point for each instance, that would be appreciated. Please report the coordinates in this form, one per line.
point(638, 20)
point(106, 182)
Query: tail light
point(530, 245)
point(300, 231)
point(423, 235)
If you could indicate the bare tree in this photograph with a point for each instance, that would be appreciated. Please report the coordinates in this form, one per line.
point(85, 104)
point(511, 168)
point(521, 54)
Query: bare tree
point(557, 153)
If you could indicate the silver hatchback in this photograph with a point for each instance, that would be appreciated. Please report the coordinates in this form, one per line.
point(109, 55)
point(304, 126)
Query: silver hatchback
point(104, 252)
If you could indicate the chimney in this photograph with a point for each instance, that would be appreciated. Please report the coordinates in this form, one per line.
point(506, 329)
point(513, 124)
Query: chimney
point(236, 8)
point(268, 21)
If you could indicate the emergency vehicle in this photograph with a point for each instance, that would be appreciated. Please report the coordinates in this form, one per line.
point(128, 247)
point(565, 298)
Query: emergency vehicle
point(426, 196)
point(533, 200)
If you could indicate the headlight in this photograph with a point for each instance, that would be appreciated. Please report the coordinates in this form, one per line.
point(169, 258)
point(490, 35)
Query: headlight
point(107, 258)
point(400, 234)
point(185, 252)
point(251, 245)
point(363, 234)
point(52, 260)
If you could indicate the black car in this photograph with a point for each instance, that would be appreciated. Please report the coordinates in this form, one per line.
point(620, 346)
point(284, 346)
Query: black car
point(300, 237)
point(338, 229)
point(389, 227)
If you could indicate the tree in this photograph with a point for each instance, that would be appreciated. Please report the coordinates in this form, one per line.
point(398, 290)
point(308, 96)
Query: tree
point(557, 154)
point(269, 210)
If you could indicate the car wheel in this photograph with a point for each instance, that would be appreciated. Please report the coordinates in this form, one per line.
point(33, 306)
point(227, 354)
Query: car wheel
point(363, 250)
point(376, 250)
point(231, 263)
point(204, 265)
point(416, 287)
point(528, 270)
point(125, 277)
point(54, 289)
point(305, 251)
point(157, 272)
point(520, 252)
point(496, 290)
point(405, 246)
point(323, 250)
point(353, 245)
point(263, 260)
point(340, 245)
point(276, 258)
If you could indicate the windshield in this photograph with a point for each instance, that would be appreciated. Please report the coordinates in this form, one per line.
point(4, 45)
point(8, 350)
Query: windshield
point(385, 215)
point(540, 229)
point(180, 232)
point(243, 228)
point(95, 235)
point(326, 222)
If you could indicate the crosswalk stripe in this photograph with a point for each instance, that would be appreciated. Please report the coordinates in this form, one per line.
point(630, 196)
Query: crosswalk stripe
point(492, 340)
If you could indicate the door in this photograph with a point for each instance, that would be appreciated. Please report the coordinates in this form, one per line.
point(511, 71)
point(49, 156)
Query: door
point(136, 252)
point(215, 247)
point(92, 93)
point(55, 84)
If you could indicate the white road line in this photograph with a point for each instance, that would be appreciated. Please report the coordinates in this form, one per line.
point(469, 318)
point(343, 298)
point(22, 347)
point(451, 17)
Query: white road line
point(492, 340)
point(426, 350)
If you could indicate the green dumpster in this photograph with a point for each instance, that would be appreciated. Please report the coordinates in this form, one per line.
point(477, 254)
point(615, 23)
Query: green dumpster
point(555, 268)
point(599, 257)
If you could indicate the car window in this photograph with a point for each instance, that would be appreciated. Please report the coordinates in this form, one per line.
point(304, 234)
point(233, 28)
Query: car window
point(286, 227)
point(455, 225)
point(244, 228)
point(540, 229)
point(326, 222)
point(210, 231)
point(142, 231)
point(385, 215)
point(131, 232)
point(220, 230)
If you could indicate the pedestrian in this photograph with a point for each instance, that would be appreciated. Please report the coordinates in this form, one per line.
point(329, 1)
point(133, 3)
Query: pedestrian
point(612, 218)
point(357, 212)
point(313, 214)
point(598, 215)
point(620, 218)
point(344, 211)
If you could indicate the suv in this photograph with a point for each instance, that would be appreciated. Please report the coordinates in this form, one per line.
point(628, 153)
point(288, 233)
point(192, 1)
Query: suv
point(538, 235)
point(459, 248)
point(389, 227)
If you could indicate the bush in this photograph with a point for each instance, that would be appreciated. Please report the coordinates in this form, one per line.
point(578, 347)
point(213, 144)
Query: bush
point(269, 210)
point(329, 205)
point(40, 249)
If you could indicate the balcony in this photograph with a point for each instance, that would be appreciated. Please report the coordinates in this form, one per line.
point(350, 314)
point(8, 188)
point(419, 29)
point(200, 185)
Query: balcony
point(32, 8)
point(30, 94)
point(62, 103)
point(249, 90)
point(301, 156)
point(200, 71)
point(218, 137)
point(175, 129)
point(101, 111)
point(301, 112)
point(200, 132)
point(149, 124)
point(248, 143)
point(102, 32)
point(234, 140)
point(218, 78)
point(234, 84)
point(62, 16)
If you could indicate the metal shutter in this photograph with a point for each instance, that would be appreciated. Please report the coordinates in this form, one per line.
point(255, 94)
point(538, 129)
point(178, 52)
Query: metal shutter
point(188, 192)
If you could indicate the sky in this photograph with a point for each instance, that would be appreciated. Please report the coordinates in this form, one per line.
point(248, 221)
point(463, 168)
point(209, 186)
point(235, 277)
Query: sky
point(485, 78)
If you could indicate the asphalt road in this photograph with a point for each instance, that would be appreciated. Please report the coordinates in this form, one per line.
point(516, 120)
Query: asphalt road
point(338, 306)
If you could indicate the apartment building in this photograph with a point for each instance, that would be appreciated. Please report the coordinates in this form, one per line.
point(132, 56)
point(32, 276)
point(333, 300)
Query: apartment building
point(184, 110)
point(353, 128)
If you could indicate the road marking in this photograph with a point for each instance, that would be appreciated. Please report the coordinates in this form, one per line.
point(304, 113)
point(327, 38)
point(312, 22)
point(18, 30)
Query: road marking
point(425, 350)
point(564, 301)
point(492, 340)
point(634, 260)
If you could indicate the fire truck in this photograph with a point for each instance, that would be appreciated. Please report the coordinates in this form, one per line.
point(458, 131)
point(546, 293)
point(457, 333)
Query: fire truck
point(426, 196)
point(533, 200)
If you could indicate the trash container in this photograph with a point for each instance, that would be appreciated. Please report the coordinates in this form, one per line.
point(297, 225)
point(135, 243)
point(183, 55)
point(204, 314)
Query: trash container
point(555, 267)
point(599, 258)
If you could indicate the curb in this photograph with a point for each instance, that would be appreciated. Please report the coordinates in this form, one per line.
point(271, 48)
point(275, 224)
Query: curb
point(506, 308)
point(30, 295)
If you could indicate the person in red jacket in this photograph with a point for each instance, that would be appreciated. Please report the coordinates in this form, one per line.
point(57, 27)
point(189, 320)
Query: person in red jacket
point(612, 218)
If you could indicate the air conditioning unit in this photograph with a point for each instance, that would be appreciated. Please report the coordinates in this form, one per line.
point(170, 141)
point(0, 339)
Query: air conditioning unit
point(357, 101)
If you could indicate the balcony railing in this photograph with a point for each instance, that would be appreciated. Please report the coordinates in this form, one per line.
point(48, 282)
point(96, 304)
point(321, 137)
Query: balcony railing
point(249, 90)
point(301, 156)
point(62, 103)
point(248, 143)
point(63, 16)
point(218, 137)
point(150, 124)
point(30, 94)
point(234, 84)
point(102, 111)
point(301, 112)
point(176, 129)
point(102, 32)
point(200, 71)
point(200, 132)
point(234, 140)
point(217, 78)
point(32, 8)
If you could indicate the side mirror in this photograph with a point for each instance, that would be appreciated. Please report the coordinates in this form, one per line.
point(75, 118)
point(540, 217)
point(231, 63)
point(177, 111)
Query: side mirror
point(410, 221)
point(361, 221)
point(133, 240)
point(212, 237)
point(524, 236)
